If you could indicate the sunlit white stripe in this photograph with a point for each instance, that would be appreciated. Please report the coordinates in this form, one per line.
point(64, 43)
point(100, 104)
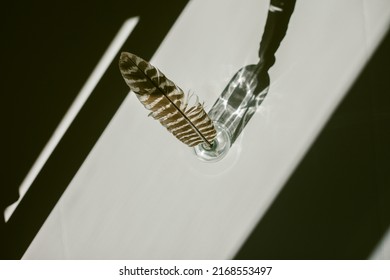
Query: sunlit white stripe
point(189, 136)
point(74, 109)
point(158, 75)
point(175, 122)
point(143, 97)
point(193, 110)
point(193, 143)
point(273, 8)
point(161, 109)
point(154, 103)
point(198, 116)
point(174, 93)
point(163, 118)
point(206, 131)
point(179, 127)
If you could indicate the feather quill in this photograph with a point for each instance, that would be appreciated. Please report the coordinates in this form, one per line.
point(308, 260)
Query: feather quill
point(166, 101)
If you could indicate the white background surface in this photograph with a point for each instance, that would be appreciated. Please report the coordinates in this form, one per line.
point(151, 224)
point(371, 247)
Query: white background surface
point(141, 194)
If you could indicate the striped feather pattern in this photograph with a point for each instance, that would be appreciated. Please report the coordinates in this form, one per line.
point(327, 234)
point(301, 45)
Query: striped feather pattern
point(166, 101)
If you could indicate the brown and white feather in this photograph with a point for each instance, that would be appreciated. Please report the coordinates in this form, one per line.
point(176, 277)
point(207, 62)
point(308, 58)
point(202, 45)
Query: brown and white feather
point(166, 101)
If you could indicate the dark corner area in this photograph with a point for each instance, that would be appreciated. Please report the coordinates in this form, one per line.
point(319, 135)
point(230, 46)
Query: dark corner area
point(336, 204)
point(48, 51)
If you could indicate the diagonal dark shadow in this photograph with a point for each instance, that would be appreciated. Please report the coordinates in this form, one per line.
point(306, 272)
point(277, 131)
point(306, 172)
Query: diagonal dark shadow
point(85, 29)
point(336, 205)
